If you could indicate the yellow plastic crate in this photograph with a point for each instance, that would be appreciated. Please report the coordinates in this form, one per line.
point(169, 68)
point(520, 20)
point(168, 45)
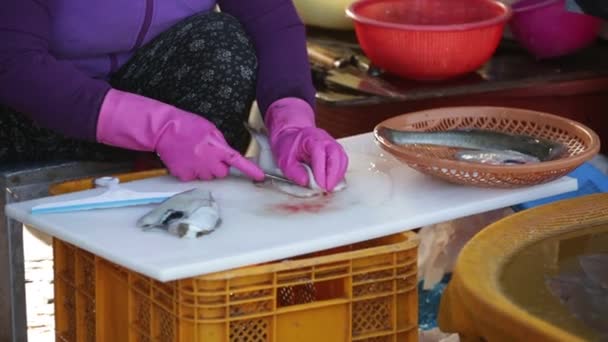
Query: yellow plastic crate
point(361, 292)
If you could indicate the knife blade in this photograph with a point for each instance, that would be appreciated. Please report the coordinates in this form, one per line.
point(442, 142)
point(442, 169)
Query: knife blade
point(338, 57)
point(238, 173)
point(326, 57)
point(351, 78)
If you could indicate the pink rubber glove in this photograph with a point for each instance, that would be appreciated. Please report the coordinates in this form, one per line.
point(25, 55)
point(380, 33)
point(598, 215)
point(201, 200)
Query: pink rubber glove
point(190, 146)
point(294, 139)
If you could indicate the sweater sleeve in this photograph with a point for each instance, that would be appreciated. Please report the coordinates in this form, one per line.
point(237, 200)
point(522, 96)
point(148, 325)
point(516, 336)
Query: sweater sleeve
point(54, 94)
point(280, 40)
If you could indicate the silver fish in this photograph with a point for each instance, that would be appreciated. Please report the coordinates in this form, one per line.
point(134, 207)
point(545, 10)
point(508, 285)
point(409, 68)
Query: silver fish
point(189, 214)
point(274, 176)
point(495, 157)
point(476, 139)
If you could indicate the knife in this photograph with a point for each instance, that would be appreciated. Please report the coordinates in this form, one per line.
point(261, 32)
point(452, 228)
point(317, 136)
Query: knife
point(238, 173)
point(335, 57)
point(326, 57)
point(351, 78)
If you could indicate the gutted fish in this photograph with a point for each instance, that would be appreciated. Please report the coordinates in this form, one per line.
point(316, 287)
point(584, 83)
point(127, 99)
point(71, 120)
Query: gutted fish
point(296, 190)
point(477, 139)
point(188, 214)
point(495, 157)
point(275, 178)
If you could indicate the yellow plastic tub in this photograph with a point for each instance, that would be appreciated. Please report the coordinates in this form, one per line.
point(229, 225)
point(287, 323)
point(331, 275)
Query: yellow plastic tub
point(498, 291)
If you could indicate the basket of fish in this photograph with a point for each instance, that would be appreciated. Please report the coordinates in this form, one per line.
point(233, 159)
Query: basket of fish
point(482, 146)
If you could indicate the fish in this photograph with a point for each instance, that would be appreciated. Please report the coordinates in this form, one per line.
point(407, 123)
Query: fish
point(189, 214)
point(275, 178)
point(595, 267)
point(585, 294)
point(476, 139)
point(495, 157)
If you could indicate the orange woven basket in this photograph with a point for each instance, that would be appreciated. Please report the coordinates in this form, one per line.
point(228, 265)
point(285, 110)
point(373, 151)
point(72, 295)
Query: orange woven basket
point(582, 144)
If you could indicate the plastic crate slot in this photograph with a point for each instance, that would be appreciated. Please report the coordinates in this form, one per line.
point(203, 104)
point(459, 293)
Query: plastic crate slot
point(143, 338)
point(407, 282)
point(247, 282)
point(167, 288)
point(336, 265)
point(294, 272)
point(251, 288)
point(141, 312)
point(247, 295)
point(407, 310)
point(374, 275)
point(249, 308)
point(65, 310)
point(294, 278)
point(334, 272)
point(253, 300)
point(375, 261)
point(85, 274)
point(140, 284)
point(211, 313)
point(164, 324)
point(254, 330)
point(332, 265)
point(69, 266)
point(190, 292)
point(373, 269)
point(406, 269)
point(85, 255)
point(206, 286)
point(163, 299)
point(373, 315)
point(402, 335)
point(67, 279)
point(295, 295)
point(408, 328)
point(386, 337)
point(374, 280)
point(211, 301)
point(85, 317)
point(114, 271)
point(383, 287)
point(311, 292)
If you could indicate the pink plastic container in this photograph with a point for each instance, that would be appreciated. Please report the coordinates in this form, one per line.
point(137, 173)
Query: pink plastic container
point(429, 39)
point(546, 29)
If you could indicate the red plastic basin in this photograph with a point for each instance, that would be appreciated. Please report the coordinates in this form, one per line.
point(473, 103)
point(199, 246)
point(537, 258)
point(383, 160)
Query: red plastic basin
point(429, 39)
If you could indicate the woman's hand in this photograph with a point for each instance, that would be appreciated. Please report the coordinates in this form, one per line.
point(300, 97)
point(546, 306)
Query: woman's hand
point(190, 146)
point(294, 139)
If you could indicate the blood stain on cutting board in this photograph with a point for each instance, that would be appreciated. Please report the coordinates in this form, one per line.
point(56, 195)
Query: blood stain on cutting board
point(303, 206)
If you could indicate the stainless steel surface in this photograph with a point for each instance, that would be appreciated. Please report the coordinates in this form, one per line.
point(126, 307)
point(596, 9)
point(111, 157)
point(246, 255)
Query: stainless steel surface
point(20, 183)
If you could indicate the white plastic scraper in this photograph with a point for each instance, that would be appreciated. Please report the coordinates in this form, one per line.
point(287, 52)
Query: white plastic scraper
point(114, 197)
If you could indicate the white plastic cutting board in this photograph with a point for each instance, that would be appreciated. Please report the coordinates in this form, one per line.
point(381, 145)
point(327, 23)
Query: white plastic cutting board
point(259, 225)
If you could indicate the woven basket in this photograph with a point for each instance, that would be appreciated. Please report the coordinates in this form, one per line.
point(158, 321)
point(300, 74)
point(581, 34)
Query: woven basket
point(582, 144)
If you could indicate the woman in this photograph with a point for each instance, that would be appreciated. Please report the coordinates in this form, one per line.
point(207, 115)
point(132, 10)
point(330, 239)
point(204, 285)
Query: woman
point(175, 77)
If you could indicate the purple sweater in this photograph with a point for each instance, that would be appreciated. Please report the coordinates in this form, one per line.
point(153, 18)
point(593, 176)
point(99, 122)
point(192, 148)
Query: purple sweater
point(56, 55)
